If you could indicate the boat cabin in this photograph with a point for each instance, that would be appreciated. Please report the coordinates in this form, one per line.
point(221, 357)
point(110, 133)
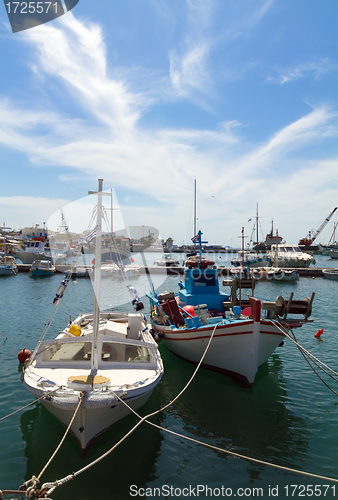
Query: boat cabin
point(201, 286)
point(76, 353)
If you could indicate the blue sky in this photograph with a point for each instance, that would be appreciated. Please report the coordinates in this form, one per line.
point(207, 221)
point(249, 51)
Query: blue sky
point(149, 95)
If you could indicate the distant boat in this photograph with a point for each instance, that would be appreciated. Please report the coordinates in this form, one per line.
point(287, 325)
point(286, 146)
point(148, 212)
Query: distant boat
point(249, 259)
point(42, 268)
point(278, 274)
point(290, 256)
point(332, 253)
point(35, 249)
point(8, 265)
point(270, 239)
point(331, 274)
point(167, 260)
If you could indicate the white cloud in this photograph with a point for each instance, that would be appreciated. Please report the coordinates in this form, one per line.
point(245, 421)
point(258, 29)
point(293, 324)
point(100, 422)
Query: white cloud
point(159, 163)
point(314, 69)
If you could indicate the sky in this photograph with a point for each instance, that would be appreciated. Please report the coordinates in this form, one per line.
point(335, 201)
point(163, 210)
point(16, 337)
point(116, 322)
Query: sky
point(240, 96)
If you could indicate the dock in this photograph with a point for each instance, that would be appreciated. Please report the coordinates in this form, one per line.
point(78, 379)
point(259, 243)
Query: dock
point(304, 272)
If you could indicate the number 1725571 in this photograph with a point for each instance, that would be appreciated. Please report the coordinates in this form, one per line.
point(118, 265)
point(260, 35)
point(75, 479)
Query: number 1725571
point(31, 7)
point(315, 490)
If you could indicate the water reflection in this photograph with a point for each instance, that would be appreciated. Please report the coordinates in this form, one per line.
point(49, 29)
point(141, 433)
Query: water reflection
point(257, 422)
point(133, 462)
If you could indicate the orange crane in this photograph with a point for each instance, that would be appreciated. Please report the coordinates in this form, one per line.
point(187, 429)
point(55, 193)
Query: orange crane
point(314, 233)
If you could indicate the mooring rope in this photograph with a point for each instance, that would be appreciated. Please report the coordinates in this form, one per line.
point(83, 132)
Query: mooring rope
point(306, 354)
point(232, 453)
point(31, 403)
point(81, 396)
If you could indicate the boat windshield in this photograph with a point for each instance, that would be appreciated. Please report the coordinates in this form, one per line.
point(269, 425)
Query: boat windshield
point(81, 351)
point(115, 351)
point(68, 351)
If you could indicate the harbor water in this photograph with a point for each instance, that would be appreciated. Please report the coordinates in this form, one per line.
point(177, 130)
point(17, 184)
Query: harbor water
point(289, 417)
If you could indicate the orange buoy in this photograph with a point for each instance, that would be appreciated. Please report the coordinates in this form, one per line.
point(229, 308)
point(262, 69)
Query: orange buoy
point(318, 334)
point(190, 310)
point(23, 355)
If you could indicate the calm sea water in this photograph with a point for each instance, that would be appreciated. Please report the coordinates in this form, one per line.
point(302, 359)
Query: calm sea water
point(289, 417)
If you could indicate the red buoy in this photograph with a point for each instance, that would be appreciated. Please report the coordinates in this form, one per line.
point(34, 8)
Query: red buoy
point(318, 334)
point(23, 355)
point(190, 310)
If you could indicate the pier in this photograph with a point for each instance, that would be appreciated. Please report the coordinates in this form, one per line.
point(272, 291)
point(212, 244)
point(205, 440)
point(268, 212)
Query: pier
point(304, 272)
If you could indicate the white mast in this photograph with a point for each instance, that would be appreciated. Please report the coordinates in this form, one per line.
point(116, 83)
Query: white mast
point(97, 276)
point(195, 218)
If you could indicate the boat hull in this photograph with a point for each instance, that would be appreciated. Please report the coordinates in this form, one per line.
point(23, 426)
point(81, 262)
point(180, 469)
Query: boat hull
point(30, 257)
point(91, 421)
point(8, 270)
point(236, 349)
point(97, 412)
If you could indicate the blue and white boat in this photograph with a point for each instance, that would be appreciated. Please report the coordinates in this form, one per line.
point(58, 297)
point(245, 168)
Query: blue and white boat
point(244, 332)
point(42, 268)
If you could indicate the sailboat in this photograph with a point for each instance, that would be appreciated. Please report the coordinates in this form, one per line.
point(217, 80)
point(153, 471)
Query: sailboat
point(99, 362)
point(7, 262)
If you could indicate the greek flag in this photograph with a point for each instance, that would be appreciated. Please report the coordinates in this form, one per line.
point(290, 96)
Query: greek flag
point(250, 219)
point(195, 239)
point(90, 236)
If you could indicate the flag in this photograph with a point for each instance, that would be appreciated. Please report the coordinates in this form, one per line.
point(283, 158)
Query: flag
point(90, 236)
point(250, 219)
point(195, 239)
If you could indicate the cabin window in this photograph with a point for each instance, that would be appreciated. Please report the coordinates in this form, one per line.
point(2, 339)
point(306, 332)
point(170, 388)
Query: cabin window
point(68, 351)
point(204, 279)
point(114, 351)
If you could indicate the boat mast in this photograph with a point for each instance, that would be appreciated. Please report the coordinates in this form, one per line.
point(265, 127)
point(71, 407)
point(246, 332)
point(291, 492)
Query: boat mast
point(97, 278)
point(195, 207)
point(257, 229)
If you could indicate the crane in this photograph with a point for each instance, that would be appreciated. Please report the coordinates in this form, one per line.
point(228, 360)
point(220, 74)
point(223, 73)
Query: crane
point(314, 233)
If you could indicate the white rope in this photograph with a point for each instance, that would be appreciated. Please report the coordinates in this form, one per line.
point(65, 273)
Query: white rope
point(31, 403)
point(20, 409)
point(301, 348)
point(81, 395)
point(232, 453)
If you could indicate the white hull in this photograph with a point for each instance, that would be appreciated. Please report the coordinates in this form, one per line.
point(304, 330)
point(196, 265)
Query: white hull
point(238, 350)
point(29, 257)
point(331, 274)
point(289, 256)
point(96, 414)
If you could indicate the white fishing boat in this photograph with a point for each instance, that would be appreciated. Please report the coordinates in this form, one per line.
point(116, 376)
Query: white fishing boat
point(111, 269)
point(331, 274)
point(42, 268)
point(290, 256)
point(244, 332)
point(35, 249)
point(96, 364)
point(278, 274)
point(167, 261)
